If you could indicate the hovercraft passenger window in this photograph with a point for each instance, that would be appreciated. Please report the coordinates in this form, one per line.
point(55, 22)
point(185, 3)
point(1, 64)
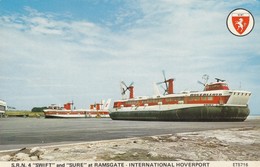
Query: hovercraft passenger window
point(210, 98)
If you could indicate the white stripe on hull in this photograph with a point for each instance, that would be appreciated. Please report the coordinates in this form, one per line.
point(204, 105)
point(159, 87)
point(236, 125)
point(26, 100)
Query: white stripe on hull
point(95, 116)
point(171, 107)
point(65, 116)
point(77, 116)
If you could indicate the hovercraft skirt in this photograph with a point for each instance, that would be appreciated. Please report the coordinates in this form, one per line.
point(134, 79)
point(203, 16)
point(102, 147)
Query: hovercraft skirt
point(205, 113)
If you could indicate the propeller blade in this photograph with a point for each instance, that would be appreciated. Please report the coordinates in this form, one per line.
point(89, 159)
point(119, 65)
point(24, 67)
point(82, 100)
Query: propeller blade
point(165, 81)
point(123, 92)
point(132, 83)
point(165, 90)
point(201, 83)
point(205, 77)
point(123, 83)
point(164, 75)
point(158, 83)
point(166, 85)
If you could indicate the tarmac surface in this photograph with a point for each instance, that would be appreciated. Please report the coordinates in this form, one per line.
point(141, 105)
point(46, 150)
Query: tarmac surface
point(17, 133)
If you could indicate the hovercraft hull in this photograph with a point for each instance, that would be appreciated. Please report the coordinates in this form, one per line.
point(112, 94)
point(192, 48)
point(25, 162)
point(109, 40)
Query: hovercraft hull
point(202, 113)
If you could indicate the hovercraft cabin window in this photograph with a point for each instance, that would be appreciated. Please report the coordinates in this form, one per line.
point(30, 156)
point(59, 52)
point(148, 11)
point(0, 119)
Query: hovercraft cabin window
point(172, 99)
point(204, 98)
point(194, 98)
point(210, 98)
point(131, 103)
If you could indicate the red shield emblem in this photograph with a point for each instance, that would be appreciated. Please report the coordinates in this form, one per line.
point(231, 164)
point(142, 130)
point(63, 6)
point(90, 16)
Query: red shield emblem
point(240, 22)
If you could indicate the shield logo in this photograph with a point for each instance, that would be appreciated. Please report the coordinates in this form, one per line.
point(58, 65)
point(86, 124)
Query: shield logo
point(240, 22)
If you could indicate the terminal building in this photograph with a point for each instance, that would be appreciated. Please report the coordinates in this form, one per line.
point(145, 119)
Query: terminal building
point(2, 108)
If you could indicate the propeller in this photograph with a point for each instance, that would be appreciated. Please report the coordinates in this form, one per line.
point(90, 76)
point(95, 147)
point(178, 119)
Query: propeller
point(201, 83)
point(165, 82)
point(165, 90)
point(205, 77)
point(126, 87)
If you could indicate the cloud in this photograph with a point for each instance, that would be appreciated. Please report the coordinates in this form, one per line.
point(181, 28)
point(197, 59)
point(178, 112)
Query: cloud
point(64, 58)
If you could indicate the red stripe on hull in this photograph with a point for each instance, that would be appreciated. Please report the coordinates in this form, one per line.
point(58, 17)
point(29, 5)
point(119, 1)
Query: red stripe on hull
point(175, 100)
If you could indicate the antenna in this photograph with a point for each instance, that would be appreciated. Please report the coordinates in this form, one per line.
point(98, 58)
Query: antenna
point(220, 80)
point(205, 77)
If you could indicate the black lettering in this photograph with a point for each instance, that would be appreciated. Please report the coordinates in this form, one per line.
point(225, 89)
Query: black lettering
point(60, 165)
point(151, 165)
point(241, 164)
point(108, 164)
point(75, 164)
point(44, 164)
point(192, 164)
point(18, 165)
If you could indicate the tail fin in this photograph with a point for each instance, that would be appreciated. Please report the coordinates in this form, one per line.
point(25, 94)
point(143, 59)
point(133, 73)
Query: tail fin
point(106, 106)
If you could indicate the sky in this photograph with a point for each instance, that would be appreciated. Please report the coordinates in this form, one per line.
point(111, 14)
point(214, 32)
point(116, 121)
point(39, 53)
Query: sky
point(53, 51)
